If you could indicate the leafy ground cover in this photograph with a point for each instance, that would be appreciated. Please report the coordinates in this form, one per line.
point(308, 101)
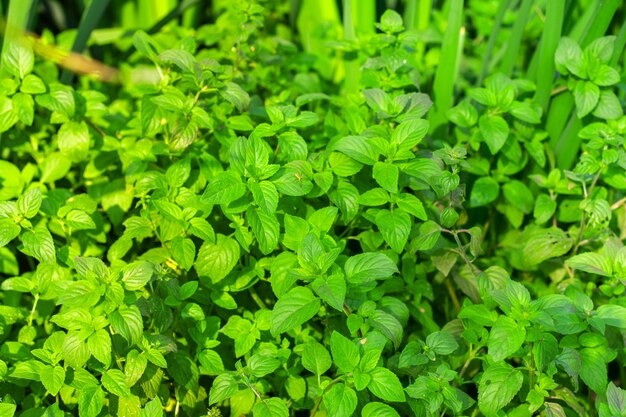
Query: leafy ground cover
point(308, 208)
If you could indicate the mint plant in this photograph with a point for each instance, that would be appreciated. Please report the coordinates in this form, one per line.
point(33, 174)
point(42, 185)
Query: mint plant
point(252, 217)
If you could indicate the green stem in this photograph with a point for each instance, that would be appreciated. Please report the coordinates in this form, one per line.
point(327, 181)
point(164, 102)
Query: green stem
point(319, 400)
point(31, 316)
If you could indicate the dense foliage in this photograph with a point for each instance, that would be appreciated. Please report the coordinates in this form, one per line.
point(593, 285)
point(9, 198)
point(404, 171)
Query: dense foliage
point(266, 215)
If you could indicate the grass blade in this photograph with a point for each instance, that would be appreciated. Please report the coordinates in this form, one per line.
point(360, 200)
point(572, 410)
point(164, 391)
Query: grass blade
point(172, 14)
point(493, 37)
point(351, 81)
point(547, 47)
point(88, 23)
point(364, 16)
point(314, 17)
point(515, 40)
point(597, 27)
point(620, 43)
point(445, 76)
point(19, 14)
point(417, 17)
point(563, 125)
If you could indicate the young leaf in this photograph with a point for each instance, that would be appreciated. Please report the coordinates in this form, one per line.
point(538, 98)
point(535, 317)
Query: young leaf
point(316, 358)
point(294, 308)
point(345, 352)
point(386, 385)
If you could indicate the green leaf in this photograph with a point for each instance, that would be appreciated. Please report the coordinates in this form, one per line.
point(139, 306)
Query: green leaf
point(28, 204)
point(395, 227)
point(591, 262)
point(136, 275)
point(593, 370)
point(495, 132)
point(73, 140)
point(340, 401)
point(376, 409)
point(505, 338)
point(345, 352)
point(295, 308)
point(134, 367)
point(8, 231)
point(184, 252)
point(90, 401)
point(79, 220)
point(386, 385)
point(54, 167)
point(374, 197)
point(429, 233)
point(224, 386)
point(7, 409)
point(217, 260)
point(616, 399)
point(359, 148)
point(519, 196)
point(126, 321)
point(75, 350)
point(543, 244)
point(225, 188)
point(497, 387)
point(569, 57)
point(113, 381)
point(24, 108)
point(609, 106)
point(179, 57)
point(388, 325)
point(484, 191)
point(386, 175)
point(612, 314)
point(315, 358)
point(367, 267)
point(544, 208)
point(265, 196)
point(412, 205)
point(8, 117)
point(100, 346)
point(586, 97)
point(526, 112)
point(606, 76)
point(442, 343)
point(32, 84)
point(346, 197)
point(235, 95)
point(38, 243)
point(271, 407)
point(331, 290)
point(153, 408)
point(53, 378)
point(266, 229)
point(18, 57)
point(11, 181)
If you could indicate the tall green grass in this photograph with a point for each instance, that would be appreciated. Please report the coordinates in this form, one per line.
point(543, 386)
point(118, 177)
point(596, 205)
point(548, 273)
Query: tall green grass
point(514, 42)
point(88, 22)
point(562, 123)
point(19, 15)
point(544, 76)
point(493, 37)
point(445, 76)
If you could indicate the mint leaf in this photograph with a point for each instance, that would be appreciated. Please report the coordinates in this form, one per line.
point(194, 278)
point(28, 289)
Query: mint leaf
point(294, 308)
point(497, 387)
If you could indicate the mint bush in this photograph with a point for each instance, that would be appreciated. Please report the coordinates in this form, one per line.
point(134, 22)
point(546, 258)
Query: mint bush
point(234, 230)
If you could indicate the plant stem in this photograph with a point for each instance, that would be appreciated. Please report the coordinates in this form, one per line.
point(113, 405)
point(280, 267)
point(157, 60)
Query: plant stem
point(319, 400)
point(31, 316)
